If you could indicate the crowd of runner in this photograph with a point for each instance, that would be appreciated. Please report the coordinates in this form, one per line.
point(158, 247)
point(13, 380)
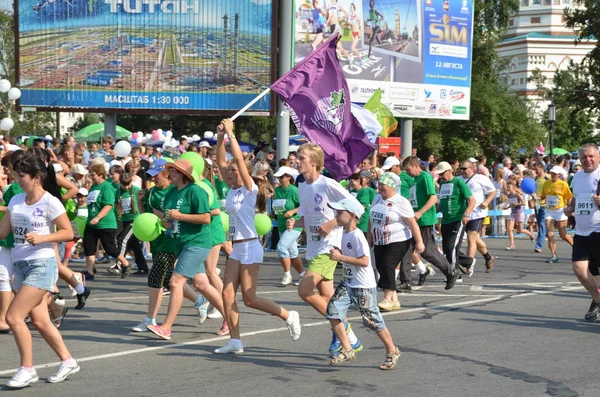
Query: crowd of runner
point(64, 200)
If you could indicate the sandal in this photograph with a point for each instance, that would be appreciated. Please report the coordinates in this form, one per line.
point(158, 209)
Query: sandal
point(224, 330)
point(59, 320)
point(390, 360)
point(342, 356)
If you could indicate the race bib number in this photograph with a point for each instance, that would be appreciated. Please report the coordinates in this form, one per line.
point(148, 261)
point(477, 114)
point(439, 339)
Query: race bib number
point(584, 204)
point(279, 206)
point(513, 200)
point(446, 190)
point(379, 214)
point(349, 273)
point(93, 196)
point(314, 223)
point(21, 225)
point(412, 196)
point(232, 226)
point(126, 205)
point(552, 201)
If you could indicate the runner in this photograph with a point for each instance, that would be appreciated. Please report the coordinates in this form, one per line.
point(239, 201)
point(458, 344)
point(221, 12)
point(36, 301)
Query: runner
point(358, 287)
point(243, 265)
point(33, 215)
point(586, 244)
point(354, 22)
point(285, 205)
point(557, 195)
point(517, 215)
point(318, 24)
point(375, 17)
point(540, 205)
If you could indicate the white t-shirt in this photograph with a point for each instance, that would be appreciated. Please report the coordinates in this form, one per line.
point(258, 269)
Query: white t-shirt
point(240, 208)
point(314, 198)
point(387, 219)
point(355, 245)
point(587, 215)
point(36, 218)
point(480, 186)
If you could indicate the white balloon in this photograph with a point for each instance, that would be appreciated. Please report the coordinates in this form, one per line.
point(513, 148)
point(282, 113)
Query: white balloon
point(159, 131)
point(148, 136)
point(14, 94)
point(195, 138)
point(4, 85)
point(7, 124)
point(122, 148)
point(174, 142)
point(208, 134)
point(169, 135)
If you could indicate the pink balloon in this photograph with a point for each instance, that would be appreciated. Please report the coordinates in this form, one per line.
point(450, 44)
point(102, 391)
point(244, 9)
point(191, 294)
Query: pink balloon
point(155, 135)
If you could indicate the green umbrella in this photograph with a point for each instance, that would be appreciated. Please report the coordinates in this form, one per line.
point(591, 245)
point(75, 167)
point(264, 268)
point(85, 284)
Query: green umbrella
point(559, 151)
point(95, 132)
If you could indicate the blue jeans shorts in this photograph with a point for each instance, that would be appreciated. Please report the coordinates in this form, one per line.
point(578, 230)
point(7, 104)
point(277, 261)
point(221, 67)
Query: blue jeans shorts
point(365, 299)
point(191, 261)
point(36, 273)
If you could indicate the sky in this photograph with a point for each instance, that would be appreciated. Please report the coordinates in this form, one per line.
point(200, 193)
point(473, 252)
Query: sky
point(6, 5)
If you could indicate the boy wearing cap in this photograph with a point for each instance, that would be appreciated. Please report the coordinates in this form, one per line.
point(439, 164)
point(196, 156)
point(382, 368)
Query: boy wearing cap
point(358, 287)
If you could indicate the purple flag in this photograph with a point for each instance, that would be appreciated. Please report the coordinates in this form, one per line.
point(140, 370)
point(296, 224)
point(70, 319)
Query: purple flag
point(317, 97)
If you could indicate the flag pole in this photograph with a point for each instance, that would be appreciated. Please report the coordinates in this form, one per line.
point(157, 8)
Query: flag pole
point(248, 106)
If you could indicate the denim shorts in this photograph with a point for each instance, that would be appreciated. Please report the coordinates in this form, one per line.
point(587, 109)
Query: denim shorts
point(36, 273)
point(191, 261)
point(365, 299)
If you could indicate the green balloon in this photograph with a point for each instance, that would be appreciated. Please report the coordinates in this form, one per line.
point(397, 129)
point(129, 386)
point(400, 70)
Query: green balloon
point(207, 189)
point(195, 176)
point(344, 183)
point(225, 221)
point(147, 227)
point(196, 160)
point(263, 224)
point(29, 141)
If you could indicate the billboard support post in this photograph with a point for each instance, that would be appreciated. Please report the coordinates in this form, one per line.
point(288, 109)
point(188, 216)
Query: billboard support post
point(286, 23)
point(110, 125)
point(406, 133)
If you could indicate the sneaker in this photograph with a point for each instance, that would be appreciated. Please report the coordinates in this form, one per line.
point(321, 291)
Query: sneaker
point(202, 309)
point(471, 268)
point(213, 313)
point(230, 347)
point(489, 265)
point(224, 330)
point(430, 269)
point(114, 269)
point(82, 298)
point(357, 346)
point(510, 248)
point(451, 280)
point(293, 324)
point(88, 276)
point(286, 280)
point(423, 277)
point(22, 378)
point(537, 250)
point(63, 371)
point(335, 345)
point(552, 259)
point(124, 271)
point(141, 327)
point(297, 283)
point(80, 279)
point(166, 292)
point(404, 288)
point(159, 331)
point(140, 272)
point(593, 312)
point(387, 306)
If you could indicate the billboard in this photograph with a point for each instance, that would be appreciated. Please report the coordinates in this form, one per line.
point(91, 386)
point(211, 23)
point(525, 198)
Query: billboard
point(186, 56)
point(417, 51)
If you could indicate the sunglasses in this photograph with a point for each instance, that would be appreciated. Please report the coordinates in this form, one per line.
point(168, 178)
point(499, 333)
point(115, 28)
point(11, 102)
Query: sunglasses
point(464, 168)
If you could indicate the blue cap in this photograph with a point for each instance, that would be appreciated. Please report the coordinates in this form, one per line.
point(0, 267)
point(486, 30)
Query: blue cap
point(157, 167)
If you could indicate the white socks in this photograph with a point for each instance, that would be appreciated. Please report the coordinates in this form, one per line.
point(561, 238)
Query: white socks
point(421, 267)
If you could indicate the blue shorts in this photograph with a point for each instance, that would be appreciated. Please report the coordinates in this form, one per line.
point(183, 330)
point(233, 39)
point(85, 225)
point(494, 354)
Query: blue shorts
point(191, 261)
point(365, 299)
point(36, 273)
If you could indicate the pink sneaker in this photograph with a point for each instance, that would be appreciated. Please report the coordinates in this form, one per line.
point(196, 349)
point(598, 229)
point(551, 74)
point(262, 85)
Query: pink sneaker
point(159, 331)
point(224, 330)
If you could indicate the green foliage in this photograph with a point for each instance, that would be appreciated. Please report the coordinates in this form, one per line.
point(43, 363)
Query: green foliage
point(87, 119)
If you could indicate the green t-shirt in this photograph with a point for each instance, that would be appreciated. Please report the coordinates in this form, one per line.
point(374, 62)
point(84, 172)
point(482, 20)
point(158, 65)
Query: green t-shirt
point(365, 196)
point(70, 205)
point(100, 196)
point(192, 199)
point(419, 193)
point(222, 188)
point(153, 200)
point(216, 226)
point(285, 199)
point(128, 203)
point(407, 182)
point(453, 200)
point(10, 192)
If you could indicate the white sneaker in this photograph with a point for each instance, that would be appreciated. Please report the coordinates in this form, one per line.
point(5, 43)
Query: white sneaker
point(297, 283)
point(22, 378)
point(202, 309)
point(471, 268)
point(286, 280)
point(141, 327)
point(230, 348)
point(293, 324)
point(63, 371)
point(214, 314)
point(431, 270)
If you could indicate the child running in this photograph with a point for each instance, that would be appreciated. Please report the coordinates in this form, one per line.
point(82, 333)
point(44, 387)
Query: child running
point(517, 216)
point(358, 287)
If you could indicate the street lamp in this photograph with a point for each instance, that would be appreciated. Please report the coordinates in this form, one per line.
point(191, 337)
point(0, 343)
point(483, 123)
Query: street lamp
point(551, 120)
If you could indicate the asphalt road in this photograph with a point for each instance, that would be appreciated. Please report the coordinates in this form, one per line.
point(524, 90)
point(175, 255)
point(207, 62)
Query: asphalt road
point(518, 331)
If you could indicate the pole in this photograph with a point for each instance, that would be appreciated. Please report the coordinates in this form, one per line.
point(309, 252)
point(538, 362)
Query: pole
point(406, 133)
point(58, 125)
point(286, 24)
point(249, 105)
point(110, 125)
point(551, 142)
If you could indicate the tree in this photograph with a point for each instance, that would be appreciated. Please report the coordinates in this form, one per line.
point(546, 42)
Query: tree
point(87, 119)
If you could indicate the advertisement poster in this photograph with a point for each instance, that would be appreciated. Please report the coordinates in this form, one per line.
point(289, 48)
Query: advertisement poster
point(417, 51)
point(177, 55)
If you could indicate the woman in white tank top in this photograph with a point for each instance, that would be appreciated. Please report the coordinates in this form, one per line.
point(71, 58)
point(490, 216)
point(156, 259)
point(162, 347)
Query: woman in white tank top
point(244, 262)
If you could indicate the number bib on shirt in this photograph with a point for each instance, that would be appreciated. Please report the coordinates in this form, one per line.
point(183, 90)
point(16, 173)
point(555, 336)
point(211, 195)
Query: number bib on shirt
point(412, 197)
point(20, 227)
point(446, 190)
point(232, 225)
point(93, 197)
point(513, 200)
point(126, 205)
point(314, 222)
point(379, 214)
point(279, 206)
point(348, 272)
point(552, 201)
point(584, 204)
